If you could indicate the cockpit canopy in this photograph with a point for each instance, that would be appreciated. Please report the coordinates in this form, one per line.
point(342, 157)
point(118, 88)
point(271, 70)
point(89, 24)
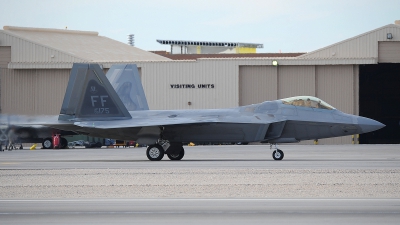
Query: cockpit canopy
point(307, 101)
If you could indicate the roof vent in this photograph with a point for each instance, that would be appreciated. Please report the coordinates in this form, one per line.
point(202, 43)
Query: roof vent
point(131, 39)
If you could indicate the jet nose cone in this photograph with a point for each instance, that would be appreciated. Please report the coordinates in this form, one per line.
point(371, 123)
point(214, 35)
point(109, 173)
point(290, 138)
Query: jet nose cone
point(368, 125)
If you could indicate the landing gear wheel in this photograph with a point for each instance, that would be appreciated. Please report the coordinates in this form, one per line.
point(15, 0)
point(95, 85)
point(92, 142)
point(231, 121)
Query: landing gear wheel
point(177, 156)
point(277, 154)
point(64, 143)
point(47, 143)
point(155, 152)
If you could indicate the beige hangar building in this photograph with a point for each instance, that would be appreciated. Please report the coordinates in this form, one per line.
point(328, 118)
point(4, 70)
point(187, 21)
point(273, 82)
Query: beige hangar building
point(359, 75)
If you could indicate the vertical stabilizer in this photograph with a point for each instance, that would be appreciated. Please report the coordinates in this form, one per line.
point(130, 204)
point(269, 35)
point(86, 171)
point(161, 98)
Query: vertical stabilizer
point(90, 96)
point(126, 82)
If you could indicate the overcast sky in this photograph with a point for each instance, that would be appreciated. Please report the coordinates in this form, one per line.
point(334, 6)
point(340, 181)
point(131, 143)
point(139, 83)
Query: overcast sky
point(281, 25)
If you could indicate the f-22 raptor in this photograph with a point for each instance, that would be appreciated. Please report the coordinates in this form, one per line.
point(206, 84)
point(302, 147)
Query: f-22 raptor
point(93, 107)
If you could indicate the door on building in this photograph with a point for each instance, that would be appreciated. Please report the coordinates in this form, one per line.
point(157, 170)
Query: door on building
point(380, 100)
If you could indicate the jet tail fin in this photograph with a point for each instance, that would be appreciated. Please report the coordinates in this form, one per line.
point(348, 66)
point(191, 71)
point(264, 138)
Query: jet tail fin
point(126, 82)
point(90, 96)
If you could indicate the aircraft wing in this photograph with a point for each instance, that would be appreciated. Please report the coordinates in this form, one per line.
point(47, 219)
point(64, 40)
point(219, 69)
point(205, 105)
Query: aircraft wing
point(165, 121)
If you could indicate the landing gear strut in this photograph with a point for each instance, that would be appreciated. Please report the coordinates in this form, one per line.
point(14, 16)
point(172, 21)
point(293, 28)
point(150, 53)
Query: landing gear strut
point(277, 154)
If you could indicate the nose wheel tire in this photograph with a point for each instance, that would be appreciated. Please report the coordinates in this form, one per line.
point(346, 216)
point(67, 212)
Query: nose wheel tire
point(155, 152)
point(177, 156)
point(277, 154)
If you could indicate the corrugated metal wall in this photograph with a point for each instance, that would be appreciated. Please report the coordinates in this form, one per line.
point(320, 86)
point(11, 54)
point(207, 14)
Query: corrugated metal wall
point(157, 79)
point(361, 46)
point(257, 84)
point(389, 52)
point(33, 92)
point(5, 56)
point(27, 51)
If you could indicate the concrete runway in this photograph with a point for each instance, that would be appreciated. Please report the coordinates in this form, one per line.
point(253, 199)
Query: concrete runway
point(341, 184)
point(227, 156)
point(201, 211)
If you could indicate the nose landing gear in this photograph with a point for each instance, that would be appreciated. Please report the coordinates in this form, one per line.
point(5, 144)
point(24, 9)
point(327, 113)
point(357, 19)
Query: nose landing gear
point(277, 154)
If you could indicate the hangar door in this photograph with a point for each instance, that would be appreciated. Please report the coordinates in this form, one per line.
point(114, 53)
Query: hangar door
point(380, 100)
point(257, 84)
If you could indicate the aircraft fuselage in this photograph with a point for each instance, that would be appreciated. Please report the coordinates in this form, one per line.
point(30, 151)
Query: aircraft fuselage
point(269, 121)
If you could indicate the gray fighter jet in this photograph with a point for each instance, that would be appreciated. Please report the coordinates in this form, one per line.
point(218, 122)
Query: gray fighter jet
point(91, 106)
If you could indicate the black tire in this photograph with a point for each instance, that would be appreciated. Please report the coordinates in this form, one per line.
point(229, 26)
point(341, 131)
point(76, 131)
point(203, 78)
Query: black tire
point(178, 156)
point(155, 152)
point(277, 154)
point(47, 143)
point(64, 143)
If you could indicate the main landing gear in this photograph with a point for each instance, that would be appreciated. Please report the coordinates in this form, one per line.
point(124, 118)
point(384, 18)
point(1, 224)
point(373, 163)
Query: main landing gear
point(277, 154)
point(177, 156)
point(155, 152)
point(48, 143)
point(174, 151)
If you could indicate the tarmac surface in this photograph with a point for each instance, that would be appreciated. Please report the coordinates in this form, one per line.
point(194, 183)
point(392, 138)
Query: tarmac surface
point(201, 211)
point(224, 156)
point(324, 184)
